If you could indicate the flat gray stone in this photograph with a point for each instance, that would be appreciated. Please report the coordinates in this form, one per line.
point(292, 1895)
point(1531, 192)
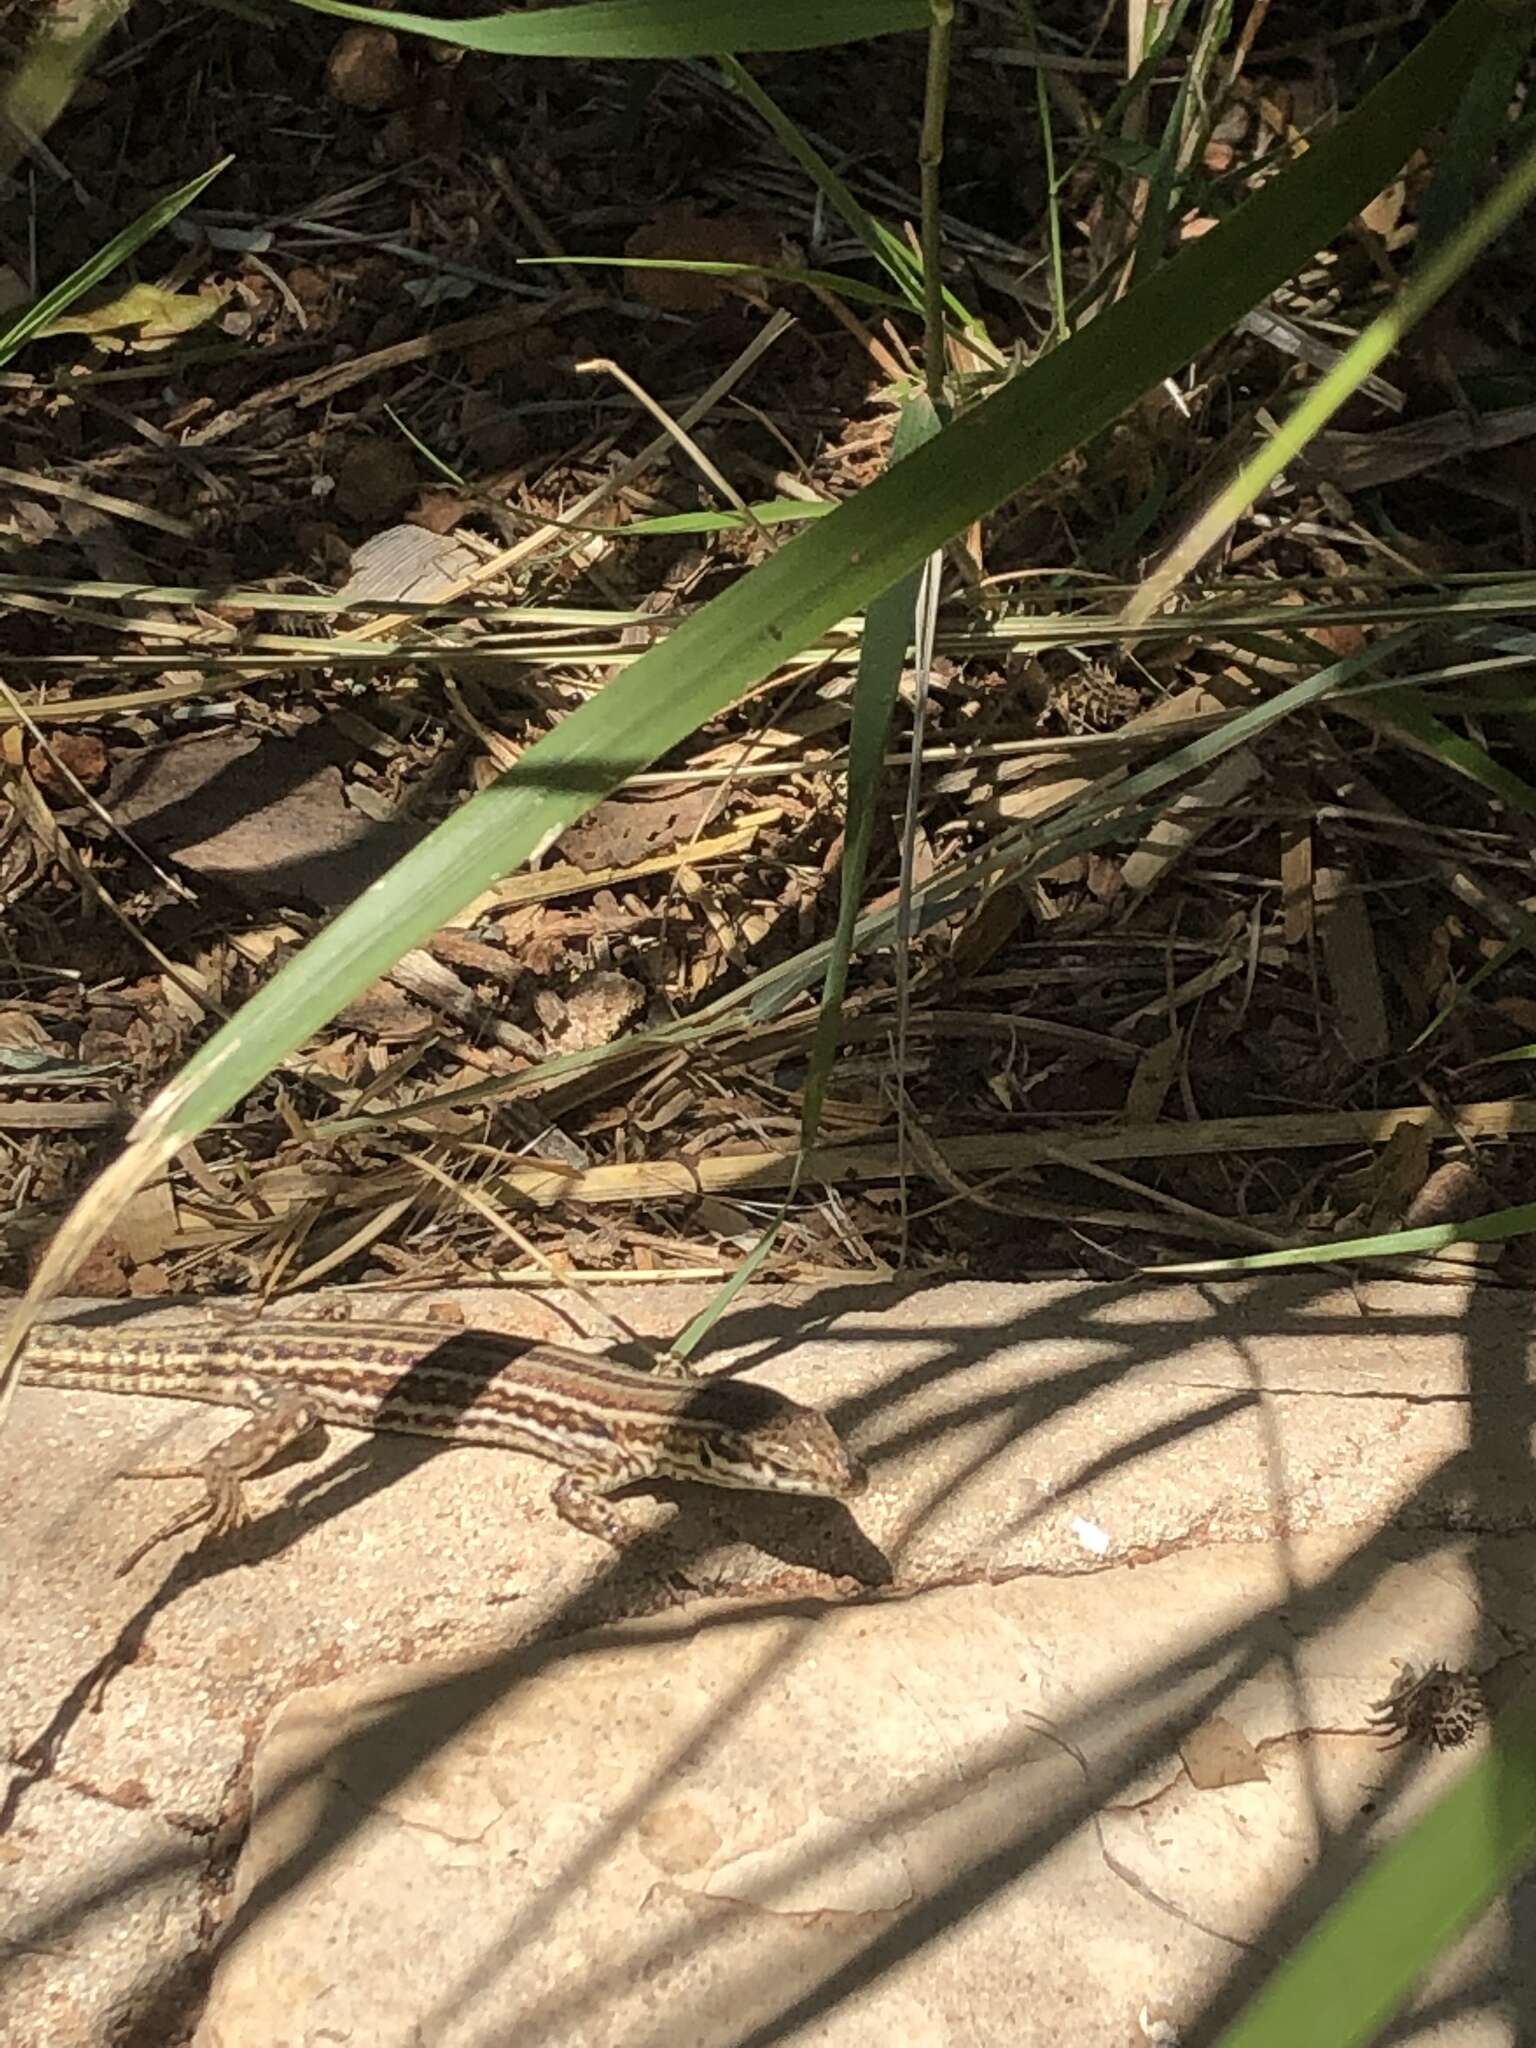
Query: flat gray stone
point(1124, 1510)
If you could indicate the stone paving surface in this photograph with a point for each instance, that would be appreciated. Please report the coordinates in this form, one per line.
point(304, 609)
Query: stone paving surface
point(1058, 1734)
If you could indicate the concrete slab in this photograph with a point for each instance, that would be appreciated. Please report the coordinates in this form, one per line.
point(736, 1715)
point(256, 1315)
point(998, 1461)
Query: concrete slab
point(490, 1806)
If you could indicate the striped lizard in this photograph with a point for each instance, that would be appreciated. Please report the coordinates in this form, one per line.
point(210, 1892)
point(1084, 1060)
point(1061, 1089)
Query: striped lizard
point(607, 1424)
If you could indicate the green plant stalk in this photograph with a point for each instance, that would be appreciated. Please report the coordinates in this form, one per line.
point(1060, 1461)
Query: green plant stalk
point(882, 657)
point(930, 162)
point(1052, 195)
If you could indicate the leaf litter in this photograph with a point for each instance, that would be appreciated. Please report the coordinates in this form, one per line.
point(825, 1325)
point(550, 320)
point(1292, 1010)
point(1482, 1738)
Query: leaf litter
point(230, 694)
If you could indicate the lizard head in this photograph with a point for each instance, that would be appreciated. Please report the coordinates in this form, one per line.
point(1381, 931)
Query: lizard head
point(749, 1436)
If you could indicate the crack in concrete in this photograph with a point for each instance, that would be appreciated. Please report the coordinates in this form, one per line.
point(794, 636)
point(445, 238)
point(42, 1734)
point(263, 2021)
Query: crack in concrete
point(1459, 1400)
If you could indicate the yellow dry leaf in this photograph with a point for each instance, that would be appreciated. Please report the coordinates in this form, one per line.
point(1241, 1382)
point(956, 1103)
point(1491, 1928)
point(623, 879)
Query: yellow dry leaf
point(157, 314)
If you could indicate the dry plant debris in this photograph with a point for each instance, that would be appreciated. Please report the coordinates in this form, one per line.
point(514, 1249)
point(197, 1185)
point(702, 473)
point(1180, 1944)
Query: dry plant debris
point(335, 405)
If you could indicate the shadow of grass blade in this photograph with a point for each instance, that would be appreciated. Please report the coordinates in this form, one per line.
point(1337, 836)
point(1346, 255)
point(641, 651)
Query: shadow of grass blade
point(820, 578)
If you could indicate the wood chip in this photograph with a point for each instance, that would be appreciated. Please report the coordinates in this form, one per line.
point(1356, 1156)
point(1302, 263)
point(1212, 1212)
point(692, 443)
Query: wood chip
point(1354, 973)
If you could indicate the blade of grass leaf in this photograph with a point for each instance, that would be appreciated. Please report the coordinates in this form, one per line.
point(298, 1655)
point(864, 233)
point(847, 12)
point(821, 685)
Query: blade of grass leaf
point(1052, 185)
point(768, 512)
point(1470, 986)
point(1516, 1052)
point(1493, 1228)
point(817, 579)
point(649, 28)
point(930, 158)
point(1160, 183)
point(693, 1334)
point(782, 273)
point(1458, 753)
point(888, 250)
point(20, 328)
point(1480, 124)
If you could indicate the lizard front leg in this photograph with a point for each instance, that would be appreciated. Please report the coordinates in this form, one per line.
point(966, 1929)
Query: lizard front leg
point(578, 1499)
point(276, 1421)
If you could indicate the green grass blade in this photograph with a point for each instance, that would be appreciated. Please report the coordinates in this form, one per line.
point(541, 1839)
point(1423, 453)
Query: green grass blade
point(767, 512)
point(895, 257)
point(1461, 754)
point(781, 273)
point(1480, 125)
point(888, 626)
point(1522, 942)
point(1162, 173)
point(20, 328)
point(692, 1336)
point(650, 28)
point(888, 250)
point(1515, 1052)
point(1053, 183)
point(1493, 1228)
